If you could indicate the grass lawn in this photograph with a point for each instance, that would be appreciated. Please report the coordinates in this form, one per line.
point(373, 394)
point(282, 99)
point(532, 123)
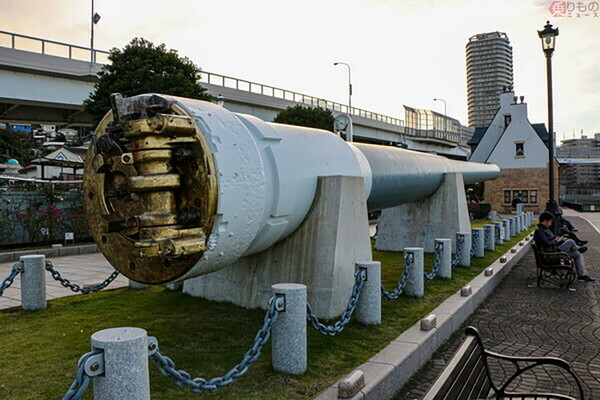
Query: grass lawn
point(39, 350)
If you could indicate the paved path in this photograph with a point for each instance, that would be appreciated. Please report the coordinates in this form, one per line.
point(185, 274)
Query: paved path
point(87, 269)
point(518, 319)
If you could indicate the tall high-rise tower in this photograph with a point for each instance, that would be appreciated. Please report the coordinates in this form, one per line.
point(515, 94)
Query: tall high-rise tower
point(489, 73)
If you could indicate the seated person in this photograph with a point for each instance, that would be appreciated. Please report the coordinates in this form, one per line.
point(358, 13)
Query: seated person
point(567, 228)
point(546, 241)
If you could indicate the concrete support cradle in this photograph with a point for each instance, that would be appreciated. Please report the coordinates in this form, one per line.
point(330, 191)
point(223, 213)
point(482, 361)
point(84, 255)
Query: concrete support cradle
point(126, 375)
point(288, 335)
point(445, 270)
point(33, 282)
point(368, 309)
point(415, 284)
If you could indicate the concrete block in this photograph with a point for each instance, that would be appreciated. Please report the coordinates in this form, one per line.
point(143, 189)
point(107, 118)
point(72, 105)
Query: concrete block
point(7, 257)
point(503, 259)
point(466, 291)
point(88, 249)
point(426, 340)
point(57, 245)
point(379, 382)
point(403, 357)
point(489, 271)
point(429, 322)
point(68, 251)
point(33, 282)
point(445, 327)
point(321, 253)
point(417, 224)
point(351, 385)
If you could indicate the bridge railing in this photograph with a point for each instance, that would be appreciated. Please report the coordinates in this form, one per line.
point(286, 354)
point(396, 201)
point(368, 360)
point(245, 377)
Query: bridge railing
point(51, 47)
point(258, 88)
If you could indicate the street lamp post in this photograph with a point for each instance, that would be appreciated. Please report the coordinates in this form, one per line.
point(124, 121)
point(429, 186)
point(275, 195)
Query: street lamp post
point(445, 113)
point(548, 36)
point(94, 20)
point(349, 85)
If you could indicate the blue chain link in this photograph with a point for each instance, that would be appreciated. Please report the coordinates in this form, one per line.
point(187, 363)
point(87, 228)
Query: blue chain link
point(76, 288)
point(475, 240)
point(198, 385)
point(460, 240)
point(16, 270)
point(409, 260)
point(437, 261)
point(332, 330)
point(82, 380)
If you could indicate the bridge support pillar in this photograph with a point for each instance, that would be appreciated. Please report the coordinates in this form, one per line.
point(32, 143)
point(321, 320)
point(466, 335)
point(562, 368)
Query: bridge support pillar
point(320, 254)
point(417, 224)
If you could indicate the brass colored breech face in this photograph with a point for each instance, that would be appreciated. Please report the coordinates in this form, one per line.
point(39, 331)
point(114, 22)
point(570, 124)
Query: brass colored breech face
point(150, 191)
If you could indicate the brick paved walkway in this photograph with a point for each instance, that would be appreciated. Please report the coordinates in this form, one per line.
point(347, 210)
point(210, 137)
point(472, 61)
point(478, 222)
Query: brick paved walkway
point(521, 320)
point(87, 269)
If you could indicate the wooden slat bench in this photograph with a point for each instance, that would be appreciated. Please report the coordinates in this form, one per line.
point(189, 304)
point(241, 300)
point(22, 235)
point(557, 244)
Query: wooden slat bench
point(468, 377)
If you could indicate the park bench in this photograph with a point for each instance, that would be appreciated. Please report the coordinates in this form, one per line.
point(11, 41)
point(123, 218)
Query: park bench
point(468, 377)
point(554, 267)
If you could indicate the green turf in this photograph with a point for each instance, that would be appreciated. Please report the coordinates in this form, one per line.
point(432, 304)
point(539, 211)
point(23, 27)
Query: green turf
point(39, 350)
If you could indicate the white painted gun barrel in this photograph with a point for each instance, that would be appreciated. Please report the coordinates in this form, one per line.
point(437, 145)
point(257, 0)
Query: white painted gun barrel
point(177, 188)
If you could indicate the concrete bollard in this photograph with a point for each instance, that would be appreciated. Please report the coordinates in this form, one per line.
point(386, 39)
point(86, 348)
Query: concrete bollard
point(520, 208)
point(513, 227)
point(494, 216)
point(126, 375)
point(415, 284)
point(33, 282)
point(478, 245)
point(498, 233)
point(368, 308)
point(137, 286)
point(506, 224)
point(445, 270)
point(288, 343)
point(465, 254)
point(489, 240)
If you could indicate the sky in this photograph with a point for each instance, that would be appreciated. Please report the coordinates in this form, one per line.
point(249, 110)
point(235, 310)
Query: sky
point(402, 52)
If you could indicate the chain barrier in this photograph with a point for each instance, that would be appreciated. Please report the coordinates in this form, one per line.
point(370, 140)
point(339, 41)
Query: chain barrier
point(82, 379)
point(16, 270)
point(199, 385)
point(437, 261)
point(360, 276)
point(76, 288)
point(475, 239)
point(409, 260)
point(460, 240)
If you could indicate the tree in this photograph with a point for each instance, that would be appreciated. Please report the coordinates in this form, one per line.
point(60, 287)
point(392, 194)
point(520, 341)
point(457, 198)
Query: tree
point(142, 67)
point(17, 145)
point(312, 117)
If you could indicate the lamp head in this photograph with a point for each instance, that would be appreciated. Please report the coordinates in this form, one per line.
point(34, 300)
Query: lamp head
point(548, 36)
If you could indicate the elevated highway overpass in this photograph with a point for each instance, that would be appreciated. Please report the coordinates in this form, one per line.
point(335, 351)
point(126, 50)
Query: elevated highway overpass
point(44, 81)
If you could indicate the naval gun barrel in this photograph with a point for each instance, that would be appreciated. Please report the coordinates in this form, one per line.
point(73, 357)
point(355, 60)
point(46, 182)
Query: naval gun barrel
point(177, 188)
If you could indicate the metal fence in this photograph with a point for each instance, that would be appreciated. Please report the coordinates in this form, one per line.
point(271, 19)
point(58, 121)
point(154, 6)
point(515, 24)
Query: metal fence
point(51, 47)
point(265, 90)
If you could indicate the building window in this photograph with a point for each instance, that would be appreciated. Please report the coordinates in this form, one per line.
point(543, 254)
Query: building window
point(533, 196)
point(519, 149)
point(529, 196)
point(507, 119)
point(507, 197)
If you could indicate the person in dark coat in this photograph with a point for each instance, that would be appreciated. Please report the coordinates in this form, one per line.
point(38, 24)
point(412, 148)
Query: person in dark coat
point(546, 241)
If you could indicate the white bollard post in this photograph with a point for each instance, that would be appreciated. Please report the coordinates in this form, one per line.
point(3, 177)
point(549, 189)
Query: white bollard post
point(506, 224)
point(489, 239)
point(520, 208)
point(33, 282)
point(494, 216)
point(477, 242)
point(288, 343)
point(465, 254)
point(445, 248)
point(415, 284)
point(126, 375)
point(368, 309)
point(513, 227)
point(498, 233)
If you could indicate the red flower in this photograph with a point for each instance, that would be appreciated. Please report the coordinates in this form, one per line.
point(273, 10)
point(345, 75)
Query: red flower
point(17, 213)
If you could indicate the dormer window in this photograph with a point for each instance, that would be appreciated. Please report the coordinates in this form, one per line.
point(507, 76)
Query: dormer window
point(507, 119)
point(519, 149)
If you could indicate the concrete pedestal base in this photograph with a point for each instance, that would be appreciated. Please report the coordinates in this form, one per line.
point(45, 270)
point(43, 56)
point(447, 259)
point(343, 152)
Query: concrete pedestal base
point(417, 224)
point(320, 254)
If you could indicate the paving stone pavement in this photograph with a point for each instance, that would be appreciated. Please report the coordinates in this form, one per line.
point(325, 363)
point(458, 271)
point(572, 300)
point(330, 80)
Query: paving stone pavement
point(86, 269)
point(520, 319)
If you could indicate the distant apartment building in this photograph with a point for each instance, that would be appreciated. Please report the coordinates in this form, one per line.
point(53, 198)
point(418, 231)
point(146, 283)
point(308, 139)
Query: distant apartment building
point(580, 171)
point(489, 73)
point(520, 149)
